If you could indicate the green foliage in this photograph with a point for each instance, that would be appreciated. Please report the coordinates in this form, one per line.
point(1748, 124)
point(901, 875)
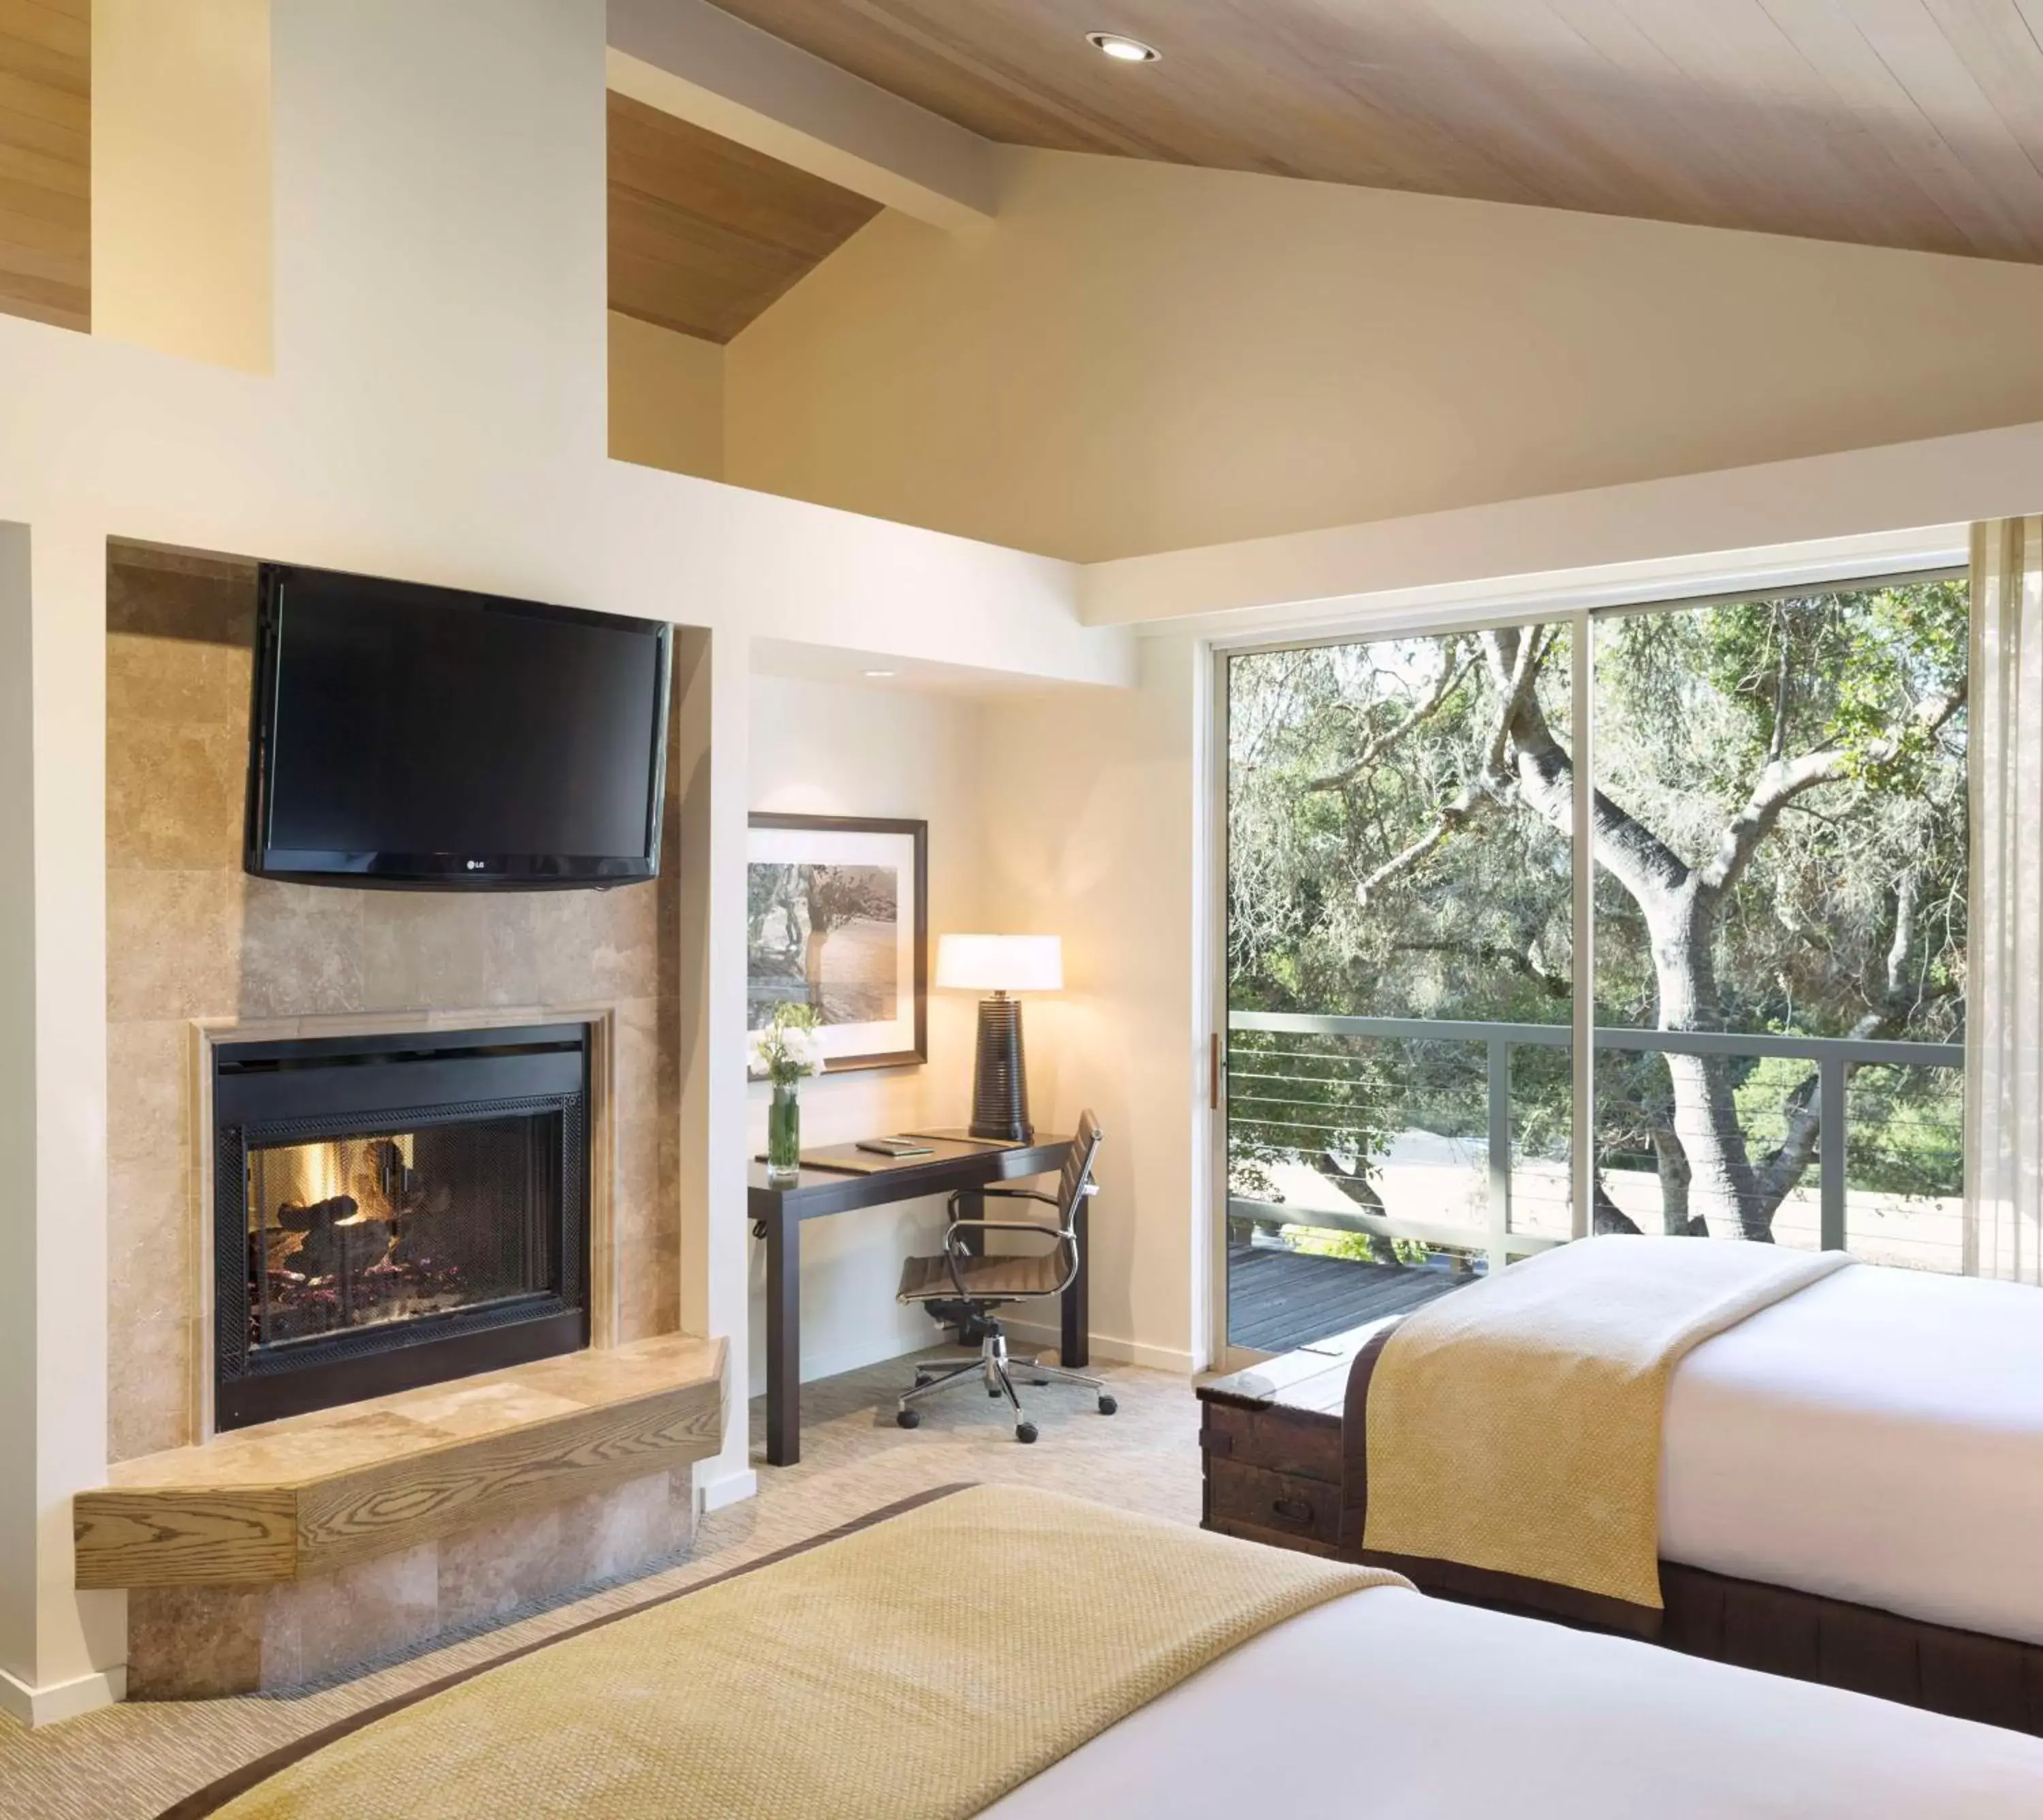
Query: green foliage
point(1382, 863)
point(1361, 1247)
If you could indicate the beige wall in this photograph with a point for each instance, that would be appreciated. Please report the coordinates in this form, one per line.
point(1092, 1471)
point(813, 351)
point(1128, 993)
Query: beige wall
point(1089, 813)
point(666, 398)
point(1137, 357)
point(845, 748)
point(180, 226)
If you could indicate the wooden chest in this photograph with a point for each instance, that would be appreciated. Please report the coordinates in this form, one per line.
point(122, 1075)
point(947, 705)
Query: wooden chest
point(1270, 1437)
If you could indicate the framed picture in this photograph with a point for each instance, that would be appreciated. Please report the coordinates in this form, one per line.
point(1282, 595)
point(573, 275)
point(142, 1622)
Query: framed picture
point(837, 916)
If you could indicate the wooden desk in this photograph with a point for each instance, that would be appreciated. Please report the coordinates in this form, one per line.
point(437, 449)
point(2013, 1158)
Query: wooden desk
point(781, 1210)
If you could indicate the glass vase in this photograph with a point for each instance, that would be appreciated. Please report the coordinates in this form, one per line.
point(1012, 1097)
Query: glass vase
point(784, 1134)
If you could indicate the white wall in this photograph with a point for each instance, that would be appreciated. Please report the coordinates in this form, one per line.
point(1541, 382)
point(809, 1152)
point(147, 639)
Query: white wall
point(437, 411)
point(843, 749)
point(18, 1325)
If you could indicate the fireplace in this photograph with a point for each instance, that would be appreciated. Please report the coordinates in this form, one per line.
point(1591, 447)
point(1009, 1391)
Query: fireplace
point(392, 1211)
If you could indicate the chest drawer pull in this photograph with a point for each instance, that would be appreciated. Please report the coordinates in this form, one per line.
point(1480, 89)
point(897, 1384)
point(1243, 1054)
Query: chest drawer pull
point(1292, 1509)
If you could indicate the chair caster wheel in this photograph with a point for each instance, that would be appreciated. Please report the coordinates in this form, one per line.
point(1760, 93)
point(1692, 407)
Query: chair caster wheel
point(1108, 1405)
point(1025, 1432)
point(908, 1418)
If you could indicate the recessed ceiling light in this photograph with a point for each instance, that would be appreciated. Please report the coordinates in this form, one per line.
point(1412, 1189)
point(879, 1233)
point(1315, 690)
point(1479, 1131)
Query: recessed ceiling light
point(1122, 50)
point(879, 673)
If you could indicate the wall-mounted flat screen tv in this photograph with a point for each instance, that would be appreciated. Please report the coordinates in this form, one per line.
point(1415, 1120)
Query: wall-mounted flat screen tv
point(408, 736)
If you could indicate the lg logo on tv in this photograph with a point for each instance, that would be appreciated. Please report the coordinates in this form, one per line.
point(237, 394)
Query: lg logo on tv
point(479, 865)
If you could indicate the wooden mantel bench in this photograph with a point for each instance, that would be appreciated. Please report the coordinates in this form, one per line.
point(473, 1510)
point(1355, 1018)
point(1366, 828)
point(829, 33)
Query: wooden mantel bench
point(497, 1489)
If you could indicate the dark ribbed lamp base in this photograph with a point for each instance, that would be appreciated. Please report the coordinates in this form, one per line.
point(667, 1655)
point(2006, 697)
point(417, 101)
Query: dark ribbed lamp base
point(1000, 1083)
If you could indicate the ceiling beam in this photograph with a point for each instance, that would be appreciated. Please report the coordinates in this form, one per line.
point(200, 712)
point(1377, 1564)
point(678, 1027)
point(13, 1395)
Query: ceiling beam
point(1636, 540)
point(690, 58)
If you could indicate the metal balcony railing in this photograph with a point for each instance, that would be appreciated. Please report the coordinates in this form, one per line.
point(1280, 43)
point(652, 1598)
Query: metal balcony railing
point(1833, 1058)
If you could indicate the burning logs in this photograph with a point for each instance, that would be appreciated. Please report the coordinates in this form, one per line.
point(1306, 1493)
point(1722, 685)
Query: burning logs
point(338, 1238)
point(350, 1234)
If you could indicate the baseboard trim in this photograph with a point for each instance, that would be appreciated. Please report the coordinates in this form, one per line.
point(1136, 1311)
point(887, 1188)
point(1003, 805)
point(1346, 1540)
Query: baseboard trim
point(727, 1488)
point(34, 1706)
point(1107, 1348)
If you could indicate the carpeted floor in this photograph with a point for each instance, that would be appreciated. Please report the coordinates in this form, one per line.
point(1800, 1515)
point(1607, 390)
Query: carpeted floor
point(129, 1762)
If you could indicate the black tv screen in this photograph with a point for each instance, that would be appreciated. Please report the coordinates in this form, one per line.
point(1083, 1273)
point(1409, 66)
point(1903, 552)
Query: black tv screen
point(407, 735)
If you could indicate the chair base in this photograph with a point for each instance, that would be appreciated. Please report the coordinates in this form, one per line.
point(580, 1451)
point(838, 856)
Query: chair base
point(997, 1372)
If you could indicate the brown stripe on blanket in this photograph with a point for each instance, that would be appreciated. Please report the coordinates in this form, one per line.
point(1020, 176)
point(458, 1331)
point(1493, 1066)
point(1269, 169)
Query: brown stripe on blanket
point(216, 1796)
point(1453, 1579)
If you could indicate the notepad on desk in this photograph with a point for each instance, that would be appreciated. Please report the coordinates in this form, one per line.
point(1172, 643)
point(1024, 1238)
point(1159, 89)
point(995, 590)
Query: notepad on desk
point(896, 1148)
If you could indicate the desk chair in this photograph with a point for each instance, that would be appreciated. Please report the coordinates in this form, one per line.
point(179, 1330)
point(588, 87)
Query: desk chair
point(964, 1288)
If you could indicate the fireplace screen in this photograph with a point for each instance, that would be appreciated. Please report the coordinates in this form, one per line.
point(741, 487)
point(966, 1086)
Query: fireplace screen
point(395, 1210)
point(353, 1232)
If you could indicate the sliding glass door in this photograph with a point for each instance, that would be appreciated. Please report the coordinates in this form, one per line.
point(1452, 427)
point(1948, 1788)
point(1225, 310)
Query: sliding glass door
point(1399, 955)
point(1776, 852)
point(1780, 920)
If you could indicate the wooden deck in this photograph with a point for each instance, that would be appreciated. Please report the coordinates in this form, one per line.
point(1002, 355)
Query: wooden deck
point(1277, 1300)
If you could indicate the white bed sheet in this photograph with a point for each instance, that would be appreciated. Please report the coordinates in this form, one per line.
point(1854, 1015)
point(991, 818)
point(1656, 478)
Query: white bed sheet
point(1878, 1436)
point(1384, 1706)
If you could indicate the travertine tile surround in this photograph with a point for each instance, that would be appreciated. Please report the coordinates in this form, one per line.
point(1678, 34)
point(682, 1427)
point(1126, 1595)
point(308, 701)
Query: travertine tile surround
point(190, 936)
point(199, 1642)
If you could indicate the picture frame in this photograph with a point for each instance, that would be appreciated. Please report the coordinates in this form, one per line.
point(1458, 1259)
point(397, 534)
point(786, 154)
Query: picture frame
point(865, 880)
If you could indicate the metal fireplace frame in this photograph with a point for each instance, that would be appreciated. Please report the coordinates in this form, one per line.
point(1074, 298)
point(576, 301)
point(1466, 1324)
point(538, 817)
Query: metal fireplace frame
point(288, 1090)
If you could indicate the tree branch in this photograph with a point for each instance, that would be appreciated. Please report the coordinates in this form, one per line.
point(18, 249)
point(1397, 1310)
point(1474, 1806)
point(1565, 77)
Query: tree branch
point(1374, 748)
point(1776, 742)
point(1779, 1173)
point(1640, 861)
point(1781, 780)
point(1449, 818)
point(1554, 986)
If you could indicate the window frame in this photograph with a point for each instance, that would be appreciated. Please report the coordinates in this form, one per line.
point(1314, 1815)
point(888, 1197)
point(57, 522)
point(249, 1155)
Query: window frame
point(1582, 617)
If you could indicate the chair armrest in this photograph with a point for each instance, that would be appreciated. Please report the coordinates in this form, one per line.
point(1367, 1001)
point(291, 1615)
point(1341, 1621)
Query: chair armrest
point(1003, 1194)
point(1012, 1226)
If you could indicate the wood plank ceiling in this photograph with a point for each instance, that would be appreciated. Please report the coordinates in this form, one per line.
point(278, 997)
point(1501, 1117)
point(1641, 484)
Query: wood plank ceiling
point(46, 160)
point(1903, 123)
point(705, 233)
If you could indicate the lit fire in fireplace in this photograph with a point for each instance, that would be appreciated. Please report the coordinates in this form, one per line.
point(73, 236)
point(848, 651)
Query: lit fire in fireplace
point(348, 1232)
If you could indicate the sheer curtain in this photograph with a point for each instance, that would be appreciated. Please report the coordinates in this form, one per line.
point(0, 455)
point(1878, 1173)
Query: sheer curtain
point(2004, 993)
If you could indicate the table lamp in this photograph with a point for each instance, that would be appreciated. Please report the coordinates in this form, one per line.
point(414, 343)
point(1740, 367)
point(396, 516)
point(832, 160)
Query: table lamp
point(1000, 965)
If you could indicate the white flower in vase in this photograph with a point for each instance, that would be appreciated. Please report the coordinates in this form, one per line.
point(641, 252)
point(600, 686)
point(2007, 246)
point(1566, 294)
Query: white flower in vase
point(789, 1048)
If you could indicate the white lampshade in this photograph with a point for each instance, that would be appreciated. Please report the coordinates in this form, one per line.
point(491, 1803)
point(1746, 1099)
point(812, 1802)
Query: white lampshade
point(1000, 963)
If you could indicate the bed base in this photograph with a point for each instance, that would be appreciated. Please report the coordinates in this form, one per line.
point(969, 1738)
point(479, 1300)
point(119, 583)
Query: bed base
point(1284, 1466)
point(1781, 1631)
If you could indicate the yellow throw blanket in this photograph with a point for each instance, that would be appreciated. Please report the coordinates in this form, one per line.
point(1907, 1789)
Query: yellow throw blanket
point(917, 1670)
point(1514, 1427)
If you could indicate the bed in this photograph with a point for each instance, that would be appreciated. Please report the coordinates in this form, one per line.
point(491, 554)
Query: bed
point(1850, 1490)
point(1132, 1667)
point(1390, 1703)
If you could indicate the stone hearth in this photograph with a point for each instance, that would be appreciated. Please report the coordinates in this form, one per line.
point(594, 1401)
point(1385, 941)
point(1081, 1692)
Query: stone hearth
point(304, 1547)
